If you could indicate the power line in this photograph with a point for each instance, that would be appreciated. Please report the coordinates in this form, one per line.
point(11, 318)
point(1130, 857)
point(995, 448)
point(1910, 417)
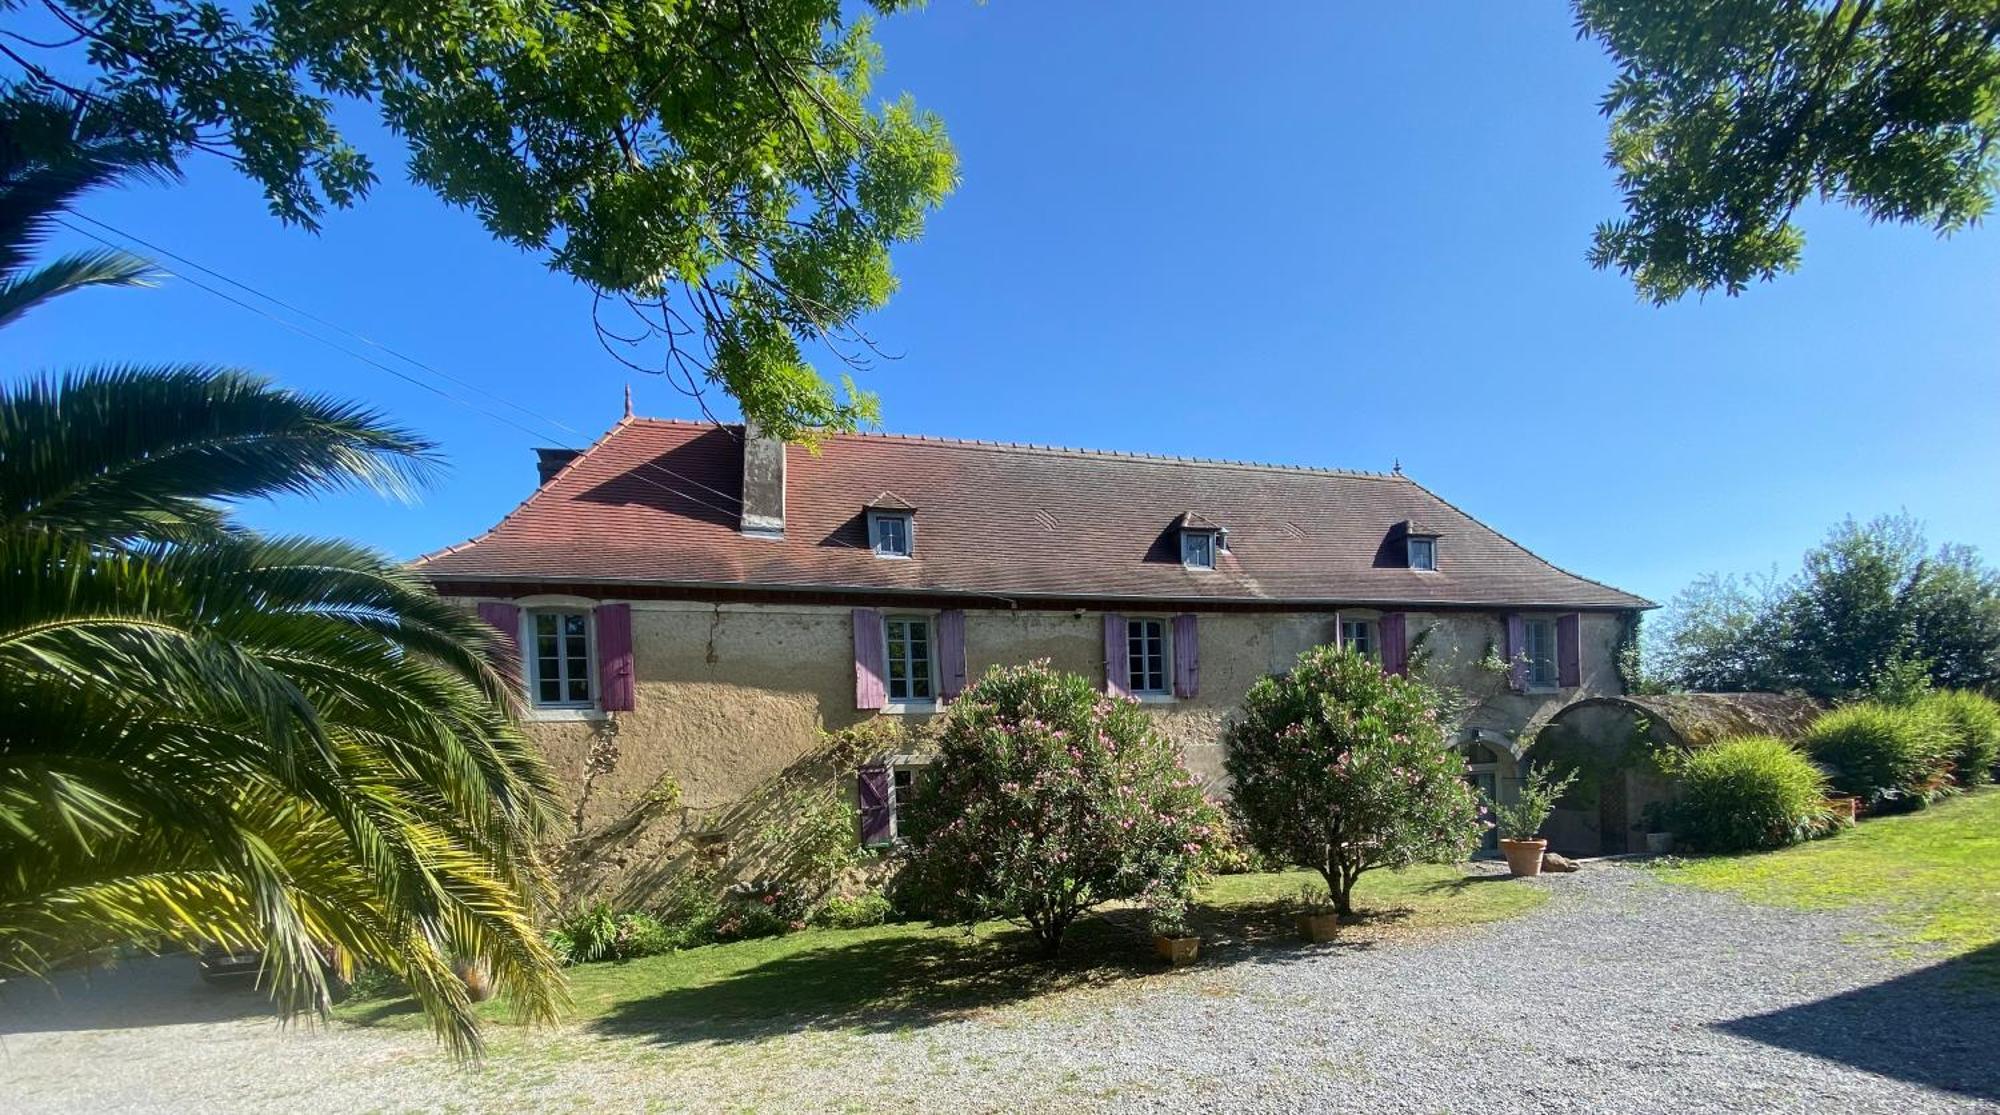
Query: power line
point(372, 362)
point(310, 316)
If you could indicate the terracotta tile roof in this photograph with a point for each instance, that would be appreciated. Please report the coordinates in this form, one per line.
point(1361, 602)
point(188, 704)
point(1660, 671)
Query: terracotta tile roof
point(656, 502)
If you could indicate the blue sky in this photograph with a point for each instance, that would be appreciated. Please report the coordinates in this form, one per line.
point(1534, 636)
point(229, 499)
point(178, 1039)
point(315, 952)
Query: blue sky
point(1333, 235)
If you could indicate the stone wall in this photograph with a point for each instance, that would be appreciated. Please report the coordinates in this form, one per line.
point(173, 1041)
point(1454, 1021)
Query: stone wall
point(733, 700)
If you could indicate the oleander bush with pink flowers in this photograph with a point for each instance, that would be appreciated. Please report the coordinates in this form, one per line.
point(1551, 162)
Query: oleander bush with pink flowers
point(1048, 798)
point(1343, 769)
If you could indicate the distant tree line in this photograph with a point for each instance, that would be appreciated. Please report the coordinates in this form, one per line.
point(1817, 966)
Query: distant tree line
point(1873, 610)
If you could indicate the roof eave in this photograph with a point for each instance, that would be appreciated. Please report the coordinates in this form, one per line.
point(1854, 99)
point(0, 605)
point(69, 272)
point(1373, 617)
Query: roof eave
point(1637, 604)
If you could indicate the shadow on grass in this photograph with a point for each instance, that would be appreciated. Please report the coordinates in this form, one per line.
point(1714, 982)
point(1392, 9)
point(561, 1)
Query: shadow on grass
point(922, 979)
point(1951, 1010)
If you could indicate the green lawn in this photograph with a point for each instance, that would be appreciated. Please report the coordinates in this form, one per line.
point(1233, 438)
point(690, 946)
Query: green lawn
point(1932, 876)
point(891, 976)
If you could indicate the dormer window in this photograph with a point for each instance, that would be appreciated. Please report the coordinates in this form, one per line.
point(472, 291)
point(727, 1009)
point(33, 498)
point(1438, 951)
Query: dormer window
point(1420, 545)
point(1198, 549)
point(892, 526)
point(891, 534)
point(1201, 539)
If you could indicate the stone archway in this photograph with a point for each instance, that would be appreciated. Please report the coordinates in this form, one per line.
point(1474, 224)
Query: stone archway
point(1613, 743)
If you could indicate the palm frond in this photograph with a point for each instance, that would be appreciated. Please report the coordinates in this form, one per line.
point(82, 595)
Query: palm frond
point(23, 290)
point(119, 452)
point(51, 154)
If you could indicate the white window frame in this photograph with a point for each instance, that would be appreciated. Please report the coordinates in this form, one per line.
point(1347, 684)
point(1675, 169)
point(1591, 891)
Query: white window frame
point(1430, 545)
point(875, 539)
point(1132, 677)
point(1551, 641)
point(1370, 631)
point(1214, 540)
point(531, 660)
point(896, 802)
point(910, 704)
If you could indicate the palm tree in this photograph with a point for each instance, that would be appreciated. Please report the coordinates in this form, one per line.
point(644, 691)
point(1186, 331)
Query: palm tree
point(285, 744)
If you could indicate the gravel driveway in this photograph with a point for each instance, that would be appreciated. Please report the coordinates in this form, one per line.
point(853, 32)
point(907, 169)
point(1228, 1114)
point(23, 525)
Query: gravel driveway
point(1620, 995)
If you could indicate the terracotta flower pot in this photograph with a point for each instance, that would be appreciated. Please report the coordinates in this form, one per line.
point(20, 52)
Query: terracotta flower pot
point(1524, 857)
point(1319, 928)
point(1178, 951)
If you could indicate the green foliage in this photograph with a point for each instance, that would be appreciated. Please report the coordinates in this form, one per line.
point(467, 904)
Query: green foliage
point(744, 921)
point(1233, 852)
point(1726, 116)
point(718, 166)
point(1523, 818)
point(1882, 754)
point(1048, 799)
point(1341, 768)
point(814, 824)
point(1872, 611)
point(286, 745)
point(856, 912)
point(50, 155)
point(1971, 724)
point(1746, 794)
point(596, 932)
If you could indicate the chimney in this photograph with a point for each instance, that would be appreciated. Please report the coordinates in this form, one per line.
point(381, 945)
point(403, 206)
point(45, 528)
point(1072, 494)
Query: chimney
point(763, 484)
point(548, 462)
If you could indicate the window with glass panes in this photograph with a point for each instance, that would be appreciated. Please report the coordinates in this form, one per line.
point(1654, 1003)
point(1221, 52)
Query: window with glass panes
point(561, 660)
point(1146, 652)
point(909, 658)
point(903, 780)
point(1358, 635)
point(891, 535)
point(1541, 649)
point(1198, 549)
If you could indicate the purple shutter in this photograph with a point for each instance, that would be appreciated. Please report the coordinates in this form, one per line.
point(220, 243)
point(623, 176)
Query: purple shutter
point(1569, 650)
point(505, 618)
point(871, 791)
point(1395, 643)
point(1517, 653)
point(868, 653)
point(1187, 657)
point(951, 651)
point(1117, 659)
point(616, 690)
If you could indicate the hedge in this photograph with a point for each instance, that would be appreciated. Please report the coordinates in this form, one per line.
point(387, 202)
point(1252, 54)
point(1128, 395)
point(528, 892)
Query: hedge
point(1748, 793)
point(1882, 754)
point(1971, 724)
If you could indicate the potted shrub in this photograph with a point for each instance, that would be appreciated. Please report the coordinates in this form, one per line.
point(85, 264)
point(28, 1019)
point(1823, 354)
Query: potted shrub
point(1319, 922)
point(1175, 942)
point(1521, 822)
